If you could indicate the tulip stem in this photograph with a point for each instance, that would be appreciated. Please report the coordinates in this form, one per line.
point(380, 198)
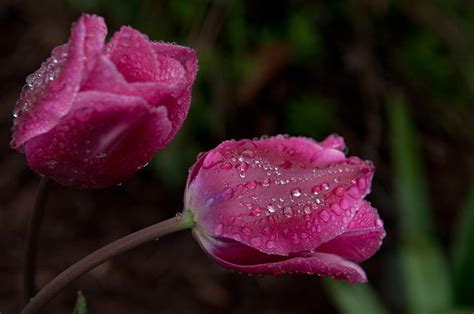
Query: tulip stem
point(32, 239)
point(180, 222)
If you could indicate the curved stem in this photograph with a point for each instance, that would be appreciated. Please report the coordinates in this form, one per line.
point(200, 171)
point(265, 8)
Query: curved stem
point(180, 222)
point(32, 239)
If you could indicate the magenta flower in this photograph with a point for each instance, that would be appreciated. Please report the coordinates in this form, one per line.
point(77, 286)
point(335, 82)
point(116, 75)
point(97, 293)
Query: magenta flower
point(93, 114)
point(285, 205)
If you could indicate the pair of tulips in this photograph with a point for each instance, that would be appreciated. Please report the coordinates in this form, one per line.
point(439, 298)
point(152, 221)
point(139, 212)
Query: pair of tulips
point(94, 114)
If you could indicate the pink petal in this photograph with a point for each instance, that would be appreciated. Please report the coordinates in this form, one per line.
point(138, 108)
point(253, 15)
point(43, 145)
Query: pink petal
point(334, 141)
point(136, 59)
point(277, 194)
point(362, 237)
point(50, 91)
point(254, 262)
point(103, 140)
point(186, 56)
point(161, 73)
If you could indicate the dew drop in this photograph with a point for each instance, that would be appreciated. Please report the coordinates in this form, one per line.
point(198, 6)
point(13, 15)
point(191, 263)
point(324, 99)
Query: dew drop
point(251, 185)
point(271, 244)
point(344, 203)
point(336, 209)
point(315, 189)
point(227, 193)
point(271, 208)
point(226, 166)
point(243, 166)
point(256, 211)
point(248, 153)
point(288, 212)
point(324, 215)
point(256, 241)
point(247, 231)
point(296, 192)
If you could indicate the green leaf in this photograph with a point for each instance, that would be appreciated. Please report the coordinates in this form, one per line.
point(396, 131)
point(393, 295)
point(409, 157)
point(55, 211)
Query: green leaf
point(409, 182)
point(426, 276)
point(80, 307)
point(424, 268)
point(354, 299)
point(463, 255)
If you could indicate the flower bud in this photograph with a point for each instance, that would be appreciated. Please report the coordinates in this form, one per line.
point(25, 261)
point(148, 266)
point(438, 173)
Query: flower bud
point(285, 205)
point(94, 114)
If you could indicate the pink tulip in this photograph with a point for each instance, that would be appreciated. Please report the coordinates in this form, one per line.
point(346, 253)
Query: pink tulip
point(285, 205)
point(93, 114)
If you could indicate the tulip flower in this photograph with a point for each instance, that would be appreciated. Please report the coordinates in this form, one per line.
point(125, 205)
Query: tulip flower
point(94, 114)
point(285, 205)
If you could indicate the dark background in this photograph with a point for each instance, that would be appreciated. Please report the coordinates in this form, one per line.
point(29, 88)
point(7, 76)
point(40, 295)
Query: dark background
point(395, 78)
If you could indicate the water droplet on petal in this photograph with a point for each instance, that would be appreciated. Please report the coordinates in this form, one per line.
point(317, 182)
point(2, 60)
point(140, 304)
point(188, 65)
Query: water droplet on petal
point(296, 192)
point(247, 231)
point(227, 193)
point(256, 241)
point(251, 185)
point(271, 244)
point(248, 153)
point(324, 215)
point(226, 166)
point(288, 211)
point(344, 203)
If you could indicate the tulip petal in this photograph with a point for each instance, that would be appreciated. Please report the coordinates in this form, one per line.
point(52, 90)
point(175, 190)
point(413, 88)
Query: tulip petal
point(334, 141)
point(186, 56)
point(50, 91)
point(281, 195)
point(114, 122)
point(362, 237)
point(234, 255)
point(136, 59)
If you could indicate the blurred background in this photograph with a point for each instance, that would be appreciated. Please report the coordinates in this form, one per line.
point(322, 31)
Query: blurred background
point(395, 78)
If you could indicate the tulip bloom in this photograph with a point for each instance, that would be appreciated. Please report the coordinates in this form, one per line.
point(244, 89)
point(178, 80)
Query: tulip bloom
point(285, 205)
point(93, 114)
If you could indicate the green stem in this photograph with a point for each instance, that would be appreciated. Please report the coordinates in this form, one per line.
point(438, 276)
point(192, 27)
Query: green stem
point(180, 222)
point(32, 239)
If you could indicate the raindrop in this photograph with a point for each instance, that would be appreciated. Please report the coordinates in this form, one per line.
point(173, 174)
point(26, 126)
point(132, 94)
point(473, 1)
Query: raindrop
point(257, 211)
point(296, 192)
point(247, 231)
point(248, 153)
point(227, 193)
point(271, 209)
point(324, 215)
point(270, 245)
point(226, 166)
point(251, 185)
point(288, 212)
point(344, 203)
point(256, 241)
